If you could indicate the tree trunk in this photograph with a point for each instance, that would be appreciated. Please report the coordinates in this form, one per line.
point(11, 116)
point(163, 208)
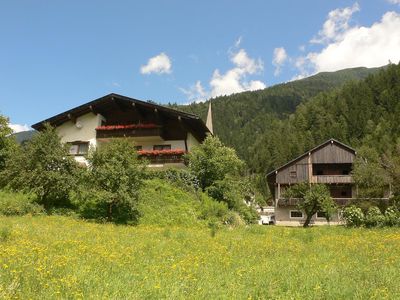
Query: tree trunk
point(307, 221)
point(312, 212)
point(110, 212)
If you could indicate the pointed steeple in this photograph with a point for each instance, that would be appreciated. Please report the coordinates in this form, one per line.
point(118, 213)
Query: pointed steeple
point(209, 122)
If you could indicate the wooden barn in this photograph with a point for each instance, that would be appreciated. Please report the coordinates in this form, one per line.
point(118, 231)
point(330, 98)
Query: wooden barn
point(329, 163)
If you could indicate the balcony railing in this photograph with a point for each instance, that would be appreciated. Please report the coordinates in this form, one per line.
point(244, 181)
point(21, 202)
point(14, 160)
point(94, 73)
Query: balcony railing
point(339, 201)
point(333, 179)
point(130, 130)
point(162, 156)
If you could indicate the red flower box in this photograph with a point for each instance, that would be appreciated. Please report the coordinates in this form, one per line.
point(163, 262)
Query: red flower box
point(129, 126)
point(161, 152)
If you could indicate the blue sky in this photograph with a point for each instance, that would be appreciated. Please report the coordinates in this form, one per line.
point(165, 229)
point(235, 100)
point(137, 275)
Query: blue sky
point(55, 55)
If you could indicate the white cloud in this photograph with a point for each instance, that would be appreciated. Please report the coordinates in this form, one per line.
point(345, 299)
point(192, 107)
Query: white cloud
point(279, 59)
point(158, 64)
point(394, 1)
point(234, 80)
point(19, 127)
point(362, 46)
point(195, 93)
point(348, 46)
point(336, 24)
point(245, 63)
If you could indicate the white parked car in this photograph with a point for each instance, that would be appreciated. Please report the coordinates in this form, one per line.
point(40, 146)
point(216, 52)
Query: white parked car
point(267, 220)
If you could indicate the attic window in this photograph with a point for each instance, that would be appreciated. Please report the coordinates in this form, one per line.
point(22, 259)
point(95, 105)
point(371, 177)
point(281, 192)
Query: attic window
point(293, 174)
point(78, 148)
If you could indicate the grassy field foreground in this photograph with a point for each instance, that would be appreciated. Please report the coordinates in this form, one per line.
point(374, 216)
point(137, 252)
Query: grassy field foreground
point(58, 257)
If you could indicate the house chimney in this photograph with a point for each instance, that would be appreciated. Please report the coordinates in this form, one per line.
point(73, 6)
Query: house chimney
point(209, 122)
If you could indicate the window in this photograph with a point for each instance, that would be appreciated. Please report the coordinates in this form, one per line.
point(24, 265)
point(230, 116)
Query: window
point(296, 214)
point(162, 147)
point(78, 148)
point(293, 174)
point(321, 215)
point(138, 148)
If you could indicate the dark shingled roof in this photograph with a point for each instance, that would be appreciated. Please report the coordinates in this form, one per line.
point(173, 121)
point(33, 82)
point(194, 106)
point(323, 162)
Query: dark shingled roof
point(96, 105)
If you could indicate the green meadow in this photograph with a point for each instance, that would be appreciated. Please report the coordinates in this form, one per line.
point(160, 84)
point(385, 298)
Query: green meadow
point(50, 257)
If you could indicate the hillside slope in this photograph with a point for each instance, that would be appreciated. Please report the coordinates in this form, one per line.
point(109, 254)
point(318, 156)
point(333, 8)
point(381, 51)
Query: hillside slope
point(361, 114)
point(241, 119)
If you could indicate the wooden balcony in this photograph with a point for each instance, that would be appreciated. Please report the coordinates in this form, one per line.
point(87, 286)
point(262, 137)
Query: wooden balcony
point(295, 201)
point(133, 130)
point(283, 202)
point(332, 179)
point(161, 157)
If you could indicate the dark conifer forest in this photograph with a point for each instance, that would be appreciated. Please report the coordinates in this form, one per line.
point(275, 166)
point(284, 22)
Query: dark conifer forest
point(360, 107)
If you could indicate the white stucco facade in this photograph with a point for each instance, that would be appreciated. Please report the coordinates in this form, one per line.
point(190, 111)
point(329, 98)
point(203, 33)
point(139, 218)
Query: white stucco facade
point(83, 129)
point(191, 142)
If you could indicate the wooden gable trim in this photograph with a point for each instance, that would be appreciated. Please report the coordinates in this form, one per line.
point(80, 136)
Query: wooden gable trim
point(330, 141)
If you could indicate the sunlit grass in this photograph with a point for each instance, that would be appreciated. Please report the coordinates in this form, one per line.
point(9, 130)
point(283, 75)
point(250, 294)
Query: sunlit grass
point(56, 257)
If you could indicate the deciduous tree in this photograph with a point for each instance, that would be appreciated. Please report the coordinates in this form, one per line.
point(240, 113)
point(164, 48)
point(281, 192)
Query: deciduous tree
point(112, 182)
point(42, 167)
point(313, 198)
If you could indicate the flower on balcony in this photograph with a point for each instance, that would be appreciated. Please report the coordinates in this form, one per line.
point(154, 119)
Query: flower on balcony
point(129, 126)
point(161, 152)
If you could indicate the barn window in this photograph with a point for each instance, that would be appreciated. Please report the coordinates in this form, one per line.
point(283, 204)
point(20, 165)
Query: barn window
point(296, 214)
point(293, 174)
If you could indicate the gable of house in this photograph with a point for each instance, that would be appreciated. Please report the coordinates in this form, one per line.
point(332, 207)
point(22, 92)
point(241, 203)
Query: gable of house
point(161, 133)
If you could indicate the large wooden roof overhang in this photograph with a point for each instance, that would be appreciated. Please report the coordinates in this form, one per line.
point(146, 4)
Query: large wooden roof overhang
point(105, 103)
point(271, 174)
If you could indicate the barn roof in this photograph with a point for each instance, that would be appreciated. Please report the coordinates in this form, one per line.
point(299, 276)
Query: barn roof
point(311, 151)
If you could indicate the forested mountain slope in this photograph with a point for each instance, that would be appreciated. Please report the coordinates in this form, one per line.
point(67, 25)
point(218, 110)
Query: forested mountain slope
point(364, 113)
point(248, 121)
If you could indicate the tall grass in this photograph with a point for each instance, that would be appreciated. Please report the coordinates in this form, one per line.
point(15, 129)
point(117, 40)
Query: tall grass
point(12, 204)
point(59, 257)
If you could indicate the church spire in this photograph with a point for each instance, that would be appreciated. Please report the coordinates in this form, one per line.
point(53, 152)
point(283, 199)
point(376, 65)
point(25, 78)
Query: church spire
point(209, 122)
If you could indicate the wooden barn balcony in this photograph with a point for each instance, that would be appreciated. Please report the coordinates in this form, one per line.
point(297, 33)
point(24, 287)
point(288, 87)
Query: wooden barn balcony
point(333, 179)
point(295, 201)
point(130, 130)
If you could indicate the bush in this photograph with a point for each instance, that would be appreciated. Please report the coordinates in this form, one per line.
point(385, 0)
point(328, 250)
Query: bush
point(180, 177)
point(233, 219)
point(248, 214)
point(164, 204)
point(233, 192)
point(18, 204)
point(353, 216)
point(374, 217)
point(213, 210)
point(392, 216)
